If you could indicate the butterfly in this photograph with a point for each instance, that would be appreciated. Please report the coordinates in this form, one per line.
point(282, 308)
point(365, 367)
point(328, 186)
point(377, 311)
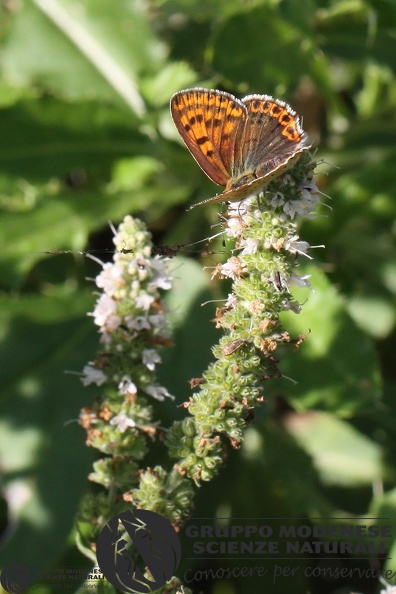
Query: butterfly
point(240, 144)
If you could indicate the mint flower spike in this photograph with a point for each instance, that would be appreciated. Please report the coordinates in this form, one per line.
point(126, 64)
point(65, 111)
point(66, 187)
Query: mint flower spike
point(132, 322)
point(262, 268)
point(130, 315)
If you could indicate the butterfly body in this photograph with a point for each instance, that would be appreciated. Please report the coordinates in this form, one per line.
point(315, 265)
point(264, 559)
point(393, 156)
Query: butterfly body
point(241, 145)
point(237, 182)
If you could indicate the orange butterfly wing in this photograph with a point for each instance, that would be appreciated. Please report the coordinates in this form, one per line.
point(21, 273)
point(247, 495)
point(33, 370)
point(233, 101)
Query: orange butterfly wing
point(242, 145)
point(211, 124)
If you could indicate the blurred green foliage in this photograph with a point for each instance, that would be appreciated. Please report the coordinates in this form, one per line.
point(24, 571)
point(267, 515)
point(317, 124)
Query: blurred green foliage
point(86, 137)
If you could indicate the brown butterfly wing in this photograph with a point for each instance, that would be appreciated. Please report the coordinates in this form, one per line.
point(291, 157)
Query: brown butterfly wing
point(272, 135)
point(253, 187)
point(211, 124)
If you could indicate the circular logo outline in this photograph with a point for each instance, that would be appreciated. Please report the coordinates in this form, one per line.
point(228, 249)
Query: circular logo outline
point(15, 578)
point(154, 539)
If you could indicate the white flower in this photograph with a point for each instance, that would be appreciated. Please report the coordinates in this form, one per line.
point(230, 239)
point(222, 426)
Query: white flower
point(293, 207)
point(122, 422)
point(309, 189)
point(91, 375)
point(139, 267)
point(389, 590)
point(111, 278)
point(150, 358)
point(229, 269)
point(295, 246)
point(158, 392)
point(160, 323)
point(105, 338)
point(306, 204)
point(236, 226)
point(87, 419)
point(241, 208)
point(301, 281)
point(233, 268)
point(126, 386)
point(134, 288)
point(144, 301)
point(139, 323)
point(293, 306)
point(231, 300)
point(104, 313)
point(161, 278)
point(276, 243)
point(277, 200)
point(249, 246)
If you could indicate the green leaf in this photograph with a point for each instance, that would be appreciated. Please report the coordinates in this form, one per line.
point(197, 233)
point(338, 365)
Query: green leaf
point(43, 456)
point(336, 367)
point(384, 506)
point(81, 51)
point(104, 167)
point(349, 32)
point(173, 77)
point(47, 138)
point(281, 475)
point(373, 314)
point(341, 454)
point(280, 59)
